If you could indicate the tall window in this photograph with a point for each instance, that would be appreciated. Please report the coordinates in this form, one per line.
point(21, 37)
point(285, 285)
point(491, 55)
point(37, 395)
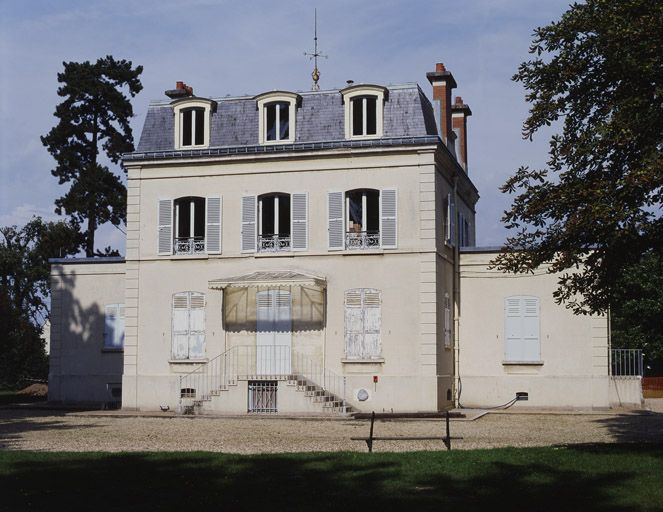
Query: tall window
point(362, 211)
point(274, 222)
point(521, 329)
point(188, 325)
point(114, 326)
point(278, 121)
point(189, 225)
point(364, 115)
point(362, 324)
point(192, 124)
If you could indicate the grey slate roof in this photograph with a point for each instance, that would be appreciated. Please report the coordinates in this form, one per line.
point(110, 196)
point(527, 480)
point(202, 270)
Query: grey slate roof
point(408, 115)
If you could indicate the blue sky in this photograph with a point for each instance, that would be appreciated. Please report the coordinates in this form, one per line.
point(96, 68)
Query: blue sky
point(235, 48)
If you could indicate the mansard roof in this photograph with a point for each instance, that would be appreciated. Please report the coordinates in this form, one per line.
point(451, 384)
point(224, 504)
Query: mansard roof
point(408, 118)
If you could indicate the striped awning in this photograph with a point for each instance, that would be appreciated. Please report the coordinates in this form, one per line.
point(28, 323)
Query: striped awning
point(266, 279)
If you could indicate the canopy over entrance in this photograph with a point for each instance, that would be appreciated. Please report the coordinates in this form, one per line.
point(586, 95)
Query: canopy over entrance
point(240, 312)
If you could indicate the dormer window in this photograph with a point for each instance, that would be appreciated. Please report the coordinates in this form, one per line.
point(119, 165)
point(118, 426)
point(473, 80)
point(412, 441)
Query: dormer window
point(364, 111)
point(192, 122)
point(277, 116)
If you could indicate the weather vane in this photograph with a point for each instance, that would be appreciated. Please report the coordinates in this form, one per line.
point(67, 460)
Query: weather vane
point(316, 72)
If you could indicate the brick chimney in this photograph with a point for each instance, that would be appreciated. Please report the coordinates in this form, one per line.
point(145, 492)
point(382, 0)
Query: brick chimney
point(443, 82)
point(181, 90)
point(459, 114)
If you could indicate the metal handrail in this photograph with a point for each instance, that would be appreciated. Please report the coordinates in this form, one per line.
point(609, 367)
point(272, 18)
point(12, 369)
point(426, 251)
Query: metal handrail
point(259, 362)
point(626, 362)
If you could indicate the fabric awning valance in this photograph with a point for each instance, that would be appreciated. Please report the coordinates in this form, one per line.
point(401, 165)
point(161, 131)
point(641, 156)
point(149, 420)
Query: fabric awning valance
point(269, 279)
point(306, 292)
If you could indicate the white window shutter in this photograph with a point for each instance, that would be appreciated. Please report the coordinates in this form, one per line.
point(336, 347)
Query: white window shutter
point(196, 325)
point(165, 244)
point(110, 316)
point(119, 327)
point(181, 325)
point(335, 219)
point(388, 218)
point(372, 323)
point(249, 213)
point(213, 241)
point(354, 324)
point(299, 227)
point(447, 321)
point(521, 329)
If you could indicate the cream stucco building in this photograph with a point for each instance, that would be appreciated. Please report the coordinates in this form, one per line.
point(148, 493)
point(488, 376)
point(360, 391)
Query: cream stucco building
point(312, 252)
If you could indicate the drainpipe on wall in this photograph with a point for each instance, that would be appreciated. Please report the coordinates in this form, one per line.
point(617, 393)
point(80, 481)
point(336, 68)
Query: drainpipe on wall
point(456, 295)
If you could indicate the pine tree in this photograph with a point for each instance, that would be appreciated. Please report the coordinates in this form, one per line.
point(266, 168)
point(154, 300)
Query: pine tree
point(93, 124)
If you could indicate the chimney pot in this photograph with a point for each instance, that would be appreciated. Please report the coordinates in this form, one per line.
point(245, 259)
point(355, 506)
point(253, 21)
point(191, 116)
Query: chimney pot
point(459, 100)
point(349, 82)
point(439, 68)
point(179, 85)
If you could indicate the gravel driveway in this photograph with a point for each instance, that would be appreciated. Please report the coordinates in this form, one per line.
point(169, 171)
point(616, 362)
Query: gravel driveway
point(55, 431)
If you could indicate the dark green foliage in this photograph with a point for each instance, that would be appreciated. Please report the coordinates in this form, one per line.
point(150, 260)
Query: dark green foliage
point(596, 207)
point(637, 311)
point(24, 288)
point(604, 477)
point(94, 118)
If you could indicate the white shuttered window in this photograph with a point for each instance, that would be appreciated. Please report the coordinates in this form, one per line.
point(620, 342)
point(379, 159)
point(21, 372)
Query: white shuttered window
point(363, 317)
point(521, 329)
point(249, 233)
point(114, 326)
point(299, 220)
point(388, 219)
point(165, 227)
point(213, 227)
point(335, 219)
point(188, 325)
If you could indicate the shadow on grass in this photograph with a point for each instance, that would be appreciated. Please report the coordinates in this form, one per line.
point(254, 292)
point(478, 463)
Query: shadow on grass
point(637, 427)
point(607, 477)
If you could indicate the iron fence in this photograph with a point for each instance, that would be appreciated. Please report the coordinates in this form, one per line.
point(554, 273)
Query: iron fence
point(626, 362)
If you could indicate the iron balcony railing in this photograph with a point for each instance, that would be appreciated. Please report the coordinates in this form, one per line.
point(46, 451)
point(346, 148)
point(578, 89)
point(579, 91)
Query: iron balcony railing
point(189, 245)
point(273, 243)
point(362, 240)
point(626, 362)
point(251, 362)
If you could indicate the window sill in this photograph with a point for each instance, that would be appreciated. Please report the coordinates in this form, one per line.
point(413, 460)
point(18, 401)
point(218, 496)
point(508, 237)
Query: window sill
point(377, 360)
point(277, 142)
point(366, 137)
point(189, 256)
point(112, 350)
point(275, 254)
point(359, 252)
point(522, 363)
point(188, 361)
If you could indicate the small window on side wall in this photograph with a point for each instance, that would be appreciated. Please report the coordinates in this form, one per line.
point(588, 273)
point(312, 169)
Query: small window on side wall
point(364, 111)
point(521, 329)
point(114, 327)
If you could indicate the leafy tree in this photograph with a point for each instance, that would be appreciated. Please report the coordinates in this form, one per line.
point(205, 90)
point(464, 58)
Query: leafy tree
point(637, 311)
point(24, 290)
point(595, 209)
point(94, 117)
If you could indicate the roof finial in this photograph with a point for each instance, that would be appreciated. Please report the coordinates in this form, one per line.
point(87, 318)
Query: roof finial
point(316, 72)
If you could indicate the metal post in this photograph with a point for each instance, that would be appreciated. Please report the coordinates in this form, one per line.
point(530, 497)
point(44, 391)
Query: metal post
point(370, 435)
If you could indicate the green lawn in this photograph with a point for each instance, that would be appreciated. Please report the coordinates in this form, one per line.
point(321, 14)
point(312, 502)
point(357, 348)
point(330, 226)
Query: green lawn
point(605, 477)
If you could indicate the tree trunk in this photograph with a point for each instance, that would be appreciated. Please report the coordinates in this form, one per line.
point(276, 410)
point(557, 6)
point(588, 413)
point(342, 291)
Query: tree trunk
point(89, 235)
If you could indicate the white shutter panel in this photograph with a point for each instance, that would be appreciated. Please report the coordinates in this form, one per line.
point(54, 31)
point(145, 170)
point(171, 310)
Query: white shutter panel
point(513, 329)
point(372, 320)
point(165, 244)
point(447, 321)
point(354, 324)
point(299, 227)
point(388, 218)
point(249, 235)
point(197, 326)
point(181, 326)
point(531, 344)
point(110, 315)
point(119, 327)
point(335, 218)
point(213, 239)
